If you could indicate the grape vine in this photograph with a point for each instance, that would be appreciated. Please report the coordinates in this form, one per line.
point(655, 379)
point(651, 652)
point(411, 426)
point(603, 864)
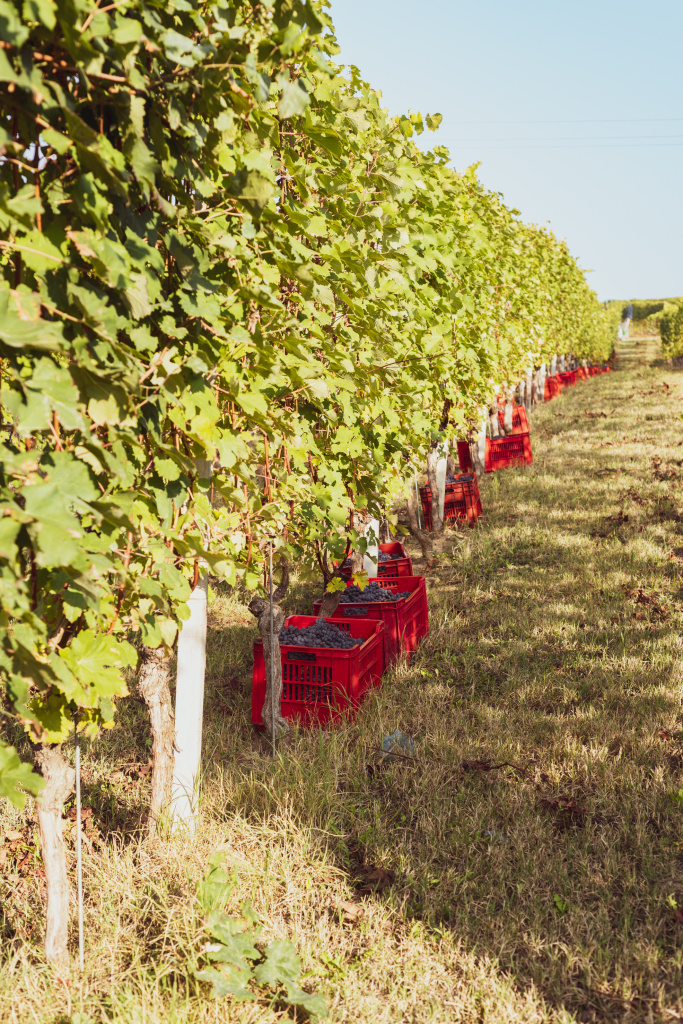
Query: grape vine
point(237, 300)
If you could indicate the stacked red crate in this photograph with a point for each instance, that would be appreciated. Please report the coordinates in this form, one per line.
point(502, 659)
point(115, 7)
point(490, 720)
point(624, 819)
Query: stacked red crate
point(396, 566)
point(520, 422)
point(406, 621)
point(552, 389)
point(462, 501)
point(503, 452)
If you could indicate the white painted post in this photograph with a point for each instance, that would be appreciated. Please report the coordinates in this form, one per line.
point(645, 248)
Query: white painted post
point(189, 710)
point(371, 556)
point(79, 843)
point(441, 468)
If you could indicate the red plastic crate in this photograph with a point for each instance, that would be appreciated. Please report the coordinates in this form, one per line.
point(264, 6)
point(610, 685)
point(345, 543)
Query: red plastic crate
point(520, 423)
point(465, 457)
point(567, 379)
point(553, 388)
point(462, 502)
point(472, 486)
point(402, 566)
point(503, 452)
point(405, 621)
point(581, 373)
point(322, 685)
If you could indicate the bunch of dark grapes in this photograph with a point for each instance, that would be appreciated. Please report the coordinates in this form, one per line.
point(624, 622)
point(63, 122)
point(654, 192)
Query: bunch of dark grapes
point(373, 592)
point(320, 634)
point(463, 478)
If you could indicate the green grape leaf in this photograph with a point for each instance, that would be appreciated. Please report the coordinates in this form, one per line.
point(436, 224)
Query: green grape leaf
point(335, 584)
point(17, 779)
point(294, 100)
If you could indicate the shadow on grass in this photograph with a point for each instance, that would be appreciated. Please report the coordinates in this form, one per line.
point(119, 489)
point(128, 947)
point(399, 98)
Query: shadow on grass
point(538, 828)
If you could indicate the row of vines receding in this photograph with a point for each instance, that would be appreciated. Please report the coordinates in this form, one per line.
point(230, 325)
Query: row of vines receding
point(237, 299)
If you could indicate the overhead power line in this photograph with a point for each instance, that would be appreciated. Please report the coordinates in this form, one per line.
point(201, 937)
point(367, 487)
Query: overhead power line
point(604, 120)
point(569, 145)
point(573, 138)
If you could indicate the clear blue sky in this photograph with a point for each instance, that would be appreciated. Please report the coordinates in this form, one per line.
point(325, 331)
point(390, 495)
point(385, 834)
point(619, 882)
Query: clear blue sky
point(588, 103)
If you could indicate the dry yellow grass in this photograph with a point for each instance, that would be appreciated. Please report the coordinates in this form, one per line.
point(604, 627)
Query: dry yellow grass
point(545, 892)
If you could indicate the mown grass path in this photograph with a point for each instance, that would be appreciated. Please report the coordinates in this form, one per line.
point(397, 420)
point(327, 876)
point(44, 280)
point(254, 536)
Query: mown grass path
point(446, 889)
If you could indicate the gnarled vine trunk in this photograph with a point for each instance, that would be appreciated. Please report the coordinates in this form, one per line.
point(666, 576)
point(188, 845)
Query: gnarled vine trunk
point(437, 517)
point(507, 415)
point(478, 454)
point(420, 536)
point(59, 778)
point(494, 422)
point(153, 684)
point(260, 609)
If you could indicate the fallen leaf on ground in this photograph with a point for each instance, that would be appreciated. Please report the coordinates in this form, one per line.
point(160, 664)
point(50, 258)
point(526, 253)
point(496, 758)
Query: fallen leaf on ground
point(23, 863)
point(86, 812)
point(567, 810)
point(350, 911)
point(373, 879)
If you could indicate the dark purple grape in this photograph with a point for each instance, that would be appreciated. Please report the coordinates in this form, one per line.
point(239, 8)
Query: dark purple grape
point(373, 592)
point(319, 634)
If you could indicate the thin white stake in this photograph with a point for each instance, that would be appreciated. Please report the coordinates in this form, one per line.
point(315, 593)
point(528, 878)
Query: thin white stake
point(79, 860)
point(189, 711)
point(272, 662)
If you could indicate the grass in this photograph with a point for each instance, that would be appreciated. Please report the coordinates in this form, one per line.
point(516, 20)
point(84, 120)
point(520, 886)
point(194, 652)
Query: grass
point(440, 889)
